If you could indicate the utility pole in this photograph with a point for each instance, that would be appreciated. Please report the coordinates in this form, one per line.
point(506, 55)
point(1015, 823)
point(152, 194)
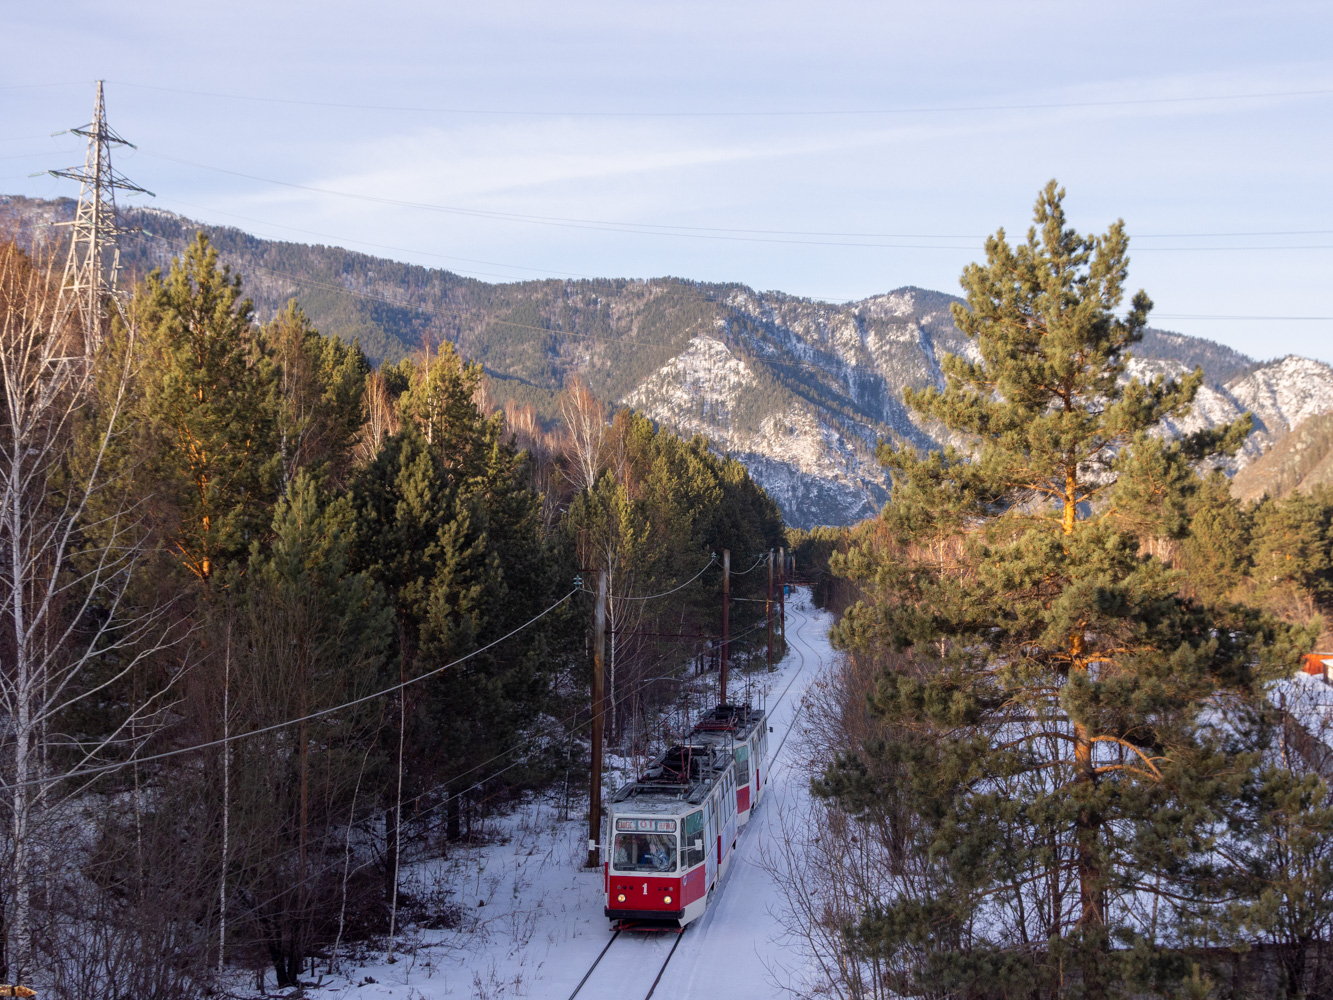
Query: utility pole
point(768, 611)
point(94, 250)
point(782, 590)
point(726, 624)
point(598, 666)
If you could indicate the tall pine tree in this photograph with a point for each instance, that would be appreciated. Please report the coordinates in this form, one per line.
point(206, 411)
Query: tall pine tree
point(206, 410)
point(1058, 741)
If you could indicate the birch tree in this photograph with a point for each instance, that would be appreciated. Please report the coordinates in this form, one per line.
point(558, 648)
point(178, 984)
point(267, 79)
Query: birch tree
point(71, 537)
point(586, 433)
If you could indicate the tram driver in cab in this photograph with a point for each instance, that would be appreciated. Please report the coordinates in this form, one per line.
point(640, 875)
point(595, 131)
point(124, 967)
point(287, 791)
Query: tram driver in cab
point(645, 852)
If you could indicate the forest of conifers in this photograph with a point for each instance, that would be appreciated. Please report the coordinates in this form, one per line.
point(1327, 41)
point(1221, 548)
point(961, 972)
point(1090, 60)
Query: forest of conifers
point(1069, 752)
point(223, 541)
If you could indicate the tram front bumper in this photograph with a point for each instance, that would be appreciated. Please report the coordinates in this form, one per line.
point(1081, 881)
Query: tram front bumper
point(616, 913)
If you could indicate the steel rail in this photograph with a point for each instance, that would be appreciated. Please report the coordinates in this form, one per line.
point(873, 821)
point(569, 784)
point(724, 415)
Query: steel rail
point(593, 967)
point(804, 662)
point(797, 713)
point(658, 978)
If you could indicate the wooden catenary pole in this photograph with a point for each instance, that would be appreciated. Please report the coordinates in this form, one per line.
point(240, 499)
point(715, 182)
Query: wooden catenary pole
point(598, 667)
point(726, 624)
point(768, 610)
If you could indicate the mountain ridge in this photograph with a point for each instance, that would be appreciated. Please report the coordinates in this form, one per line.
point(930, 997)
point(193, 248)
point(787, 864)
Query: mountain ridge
point(798, 389)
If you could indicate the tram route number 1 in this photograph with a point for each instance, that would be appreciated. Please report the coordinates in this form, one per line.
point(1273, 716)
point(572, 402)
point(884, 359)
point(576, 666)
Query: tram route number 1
point(645, 888)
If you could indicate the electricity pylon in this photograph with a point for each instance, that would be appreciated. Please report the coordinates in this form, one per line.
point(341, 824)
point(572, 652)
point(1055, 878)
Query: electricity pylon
point(94, 247)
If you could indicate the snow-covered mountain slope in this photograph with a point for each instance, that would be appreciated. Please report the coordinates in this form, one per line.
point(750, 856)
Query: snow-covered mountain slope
point(802, 391)
point(1280, 396)
point(806, 460)
point(799, 390)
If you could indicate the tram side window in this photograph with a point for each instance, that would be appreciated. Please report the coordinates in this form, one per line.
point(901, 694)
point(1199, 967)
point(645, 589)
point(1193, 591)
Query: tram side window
point(694, 835)
point(743, 765)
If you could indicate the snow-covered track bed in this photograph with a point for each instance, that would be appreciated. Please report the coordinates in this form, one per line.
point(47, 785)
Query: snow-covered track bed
point(630, 964)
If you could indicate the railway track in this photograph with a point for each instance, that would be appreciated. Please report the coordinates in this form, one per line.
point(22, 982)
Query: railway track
point(795, 715)
point(645, 945)
point(628, 964)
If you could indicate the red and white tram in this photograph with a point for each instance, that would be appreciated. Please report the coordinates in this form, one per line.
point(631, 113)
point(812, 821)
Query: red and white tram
point(743, 730)
point(670, 835)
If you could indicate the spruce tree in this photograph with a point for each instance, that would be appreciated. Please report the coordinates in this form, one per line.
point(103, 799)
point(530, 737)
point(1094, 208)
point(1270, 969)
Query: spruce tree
point(1055, 739)
point(447, 522)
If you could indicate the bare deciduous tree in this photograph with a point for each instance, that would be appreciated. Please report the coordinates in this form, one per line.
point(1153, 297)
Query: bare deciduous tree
point(381, 418)
point(585, 423)
point(70, 540)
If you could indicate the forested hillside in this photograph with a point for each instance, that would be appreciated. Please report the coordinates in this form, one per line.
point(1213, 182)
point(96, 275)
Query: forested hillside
point(799, 391)
point(274, 621)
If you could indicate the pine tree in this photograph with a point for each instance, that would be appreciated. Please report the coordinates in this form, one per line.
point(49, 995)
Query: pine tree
point(1215, 553)
point(205, 403)
point(307, 633)
point(1293, 546)
point(321, 384)
point(1054, 746)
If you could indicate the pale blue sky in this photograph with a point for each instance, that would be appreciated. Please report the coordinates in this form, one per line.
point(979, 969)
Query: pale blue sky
point(637, 124)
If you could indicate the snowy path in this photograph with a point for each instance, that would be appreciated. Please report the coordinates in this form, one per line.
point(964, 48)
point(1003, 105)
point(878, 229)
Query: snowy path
point(541, 925)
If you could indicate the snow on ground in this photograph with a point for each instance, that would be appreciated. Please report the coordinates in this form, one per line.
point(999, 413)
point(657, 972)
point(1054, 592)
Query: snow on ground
point(530, 921)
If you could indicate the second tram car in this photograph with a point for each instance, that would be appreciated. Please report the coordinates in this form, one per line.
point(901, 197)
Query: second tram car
point(670, 834)
point(744, 730)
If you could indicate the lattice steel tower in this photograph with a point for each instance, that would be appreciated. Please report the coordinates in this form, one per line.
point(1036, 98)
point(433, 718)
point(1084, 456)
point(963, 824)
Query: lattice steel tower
point(94, 248)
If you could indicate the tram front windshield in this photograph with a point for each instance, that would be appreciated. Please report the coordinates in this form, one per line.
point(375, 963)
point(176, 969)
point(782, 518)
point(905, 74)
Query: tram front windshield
point(645, 852)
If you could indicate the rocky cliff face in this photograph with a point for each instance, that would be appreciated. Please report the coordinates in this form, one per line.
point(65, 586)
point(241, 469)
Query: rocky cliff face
point(819, 469)
point(1280, 396)
point(801, 391)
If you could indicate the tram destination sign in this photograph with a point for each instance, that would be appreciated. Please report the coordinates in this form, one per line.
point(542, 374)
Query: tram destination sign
point(646, 825)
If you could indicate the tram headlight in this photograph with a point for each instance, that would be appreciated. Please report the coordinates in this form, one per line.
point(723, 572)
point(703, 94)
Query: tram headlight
point(666, 899)
point(620, 898)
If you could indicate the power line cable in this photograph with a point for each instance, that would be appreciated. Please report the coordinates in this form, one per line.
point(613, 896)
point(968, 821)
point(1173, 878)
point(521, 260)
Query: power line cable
point(772, 113)
point(593, 225)
point(667, 593)
point(668, 228)
point(758, 561)
point(522, 744)
point(617, 703)
point(84, 772)
point(652, 229)
point(384, 246)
